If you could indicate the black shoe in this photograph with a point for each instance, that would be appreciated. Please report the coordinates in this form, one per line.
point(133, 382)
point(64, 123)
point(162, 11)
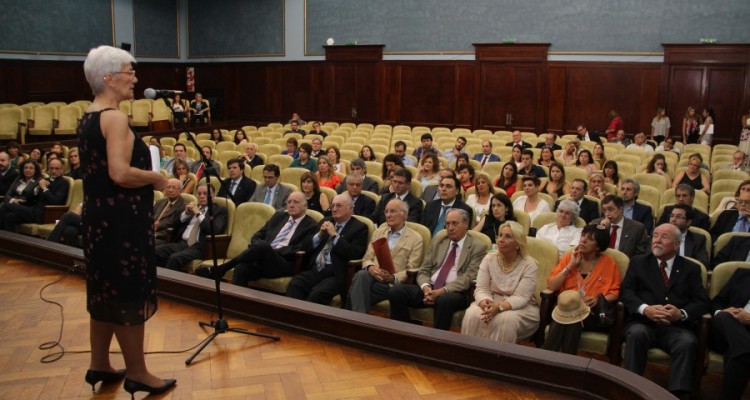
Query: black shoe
point(204, 272)
point(132, 386)
point(94, 377)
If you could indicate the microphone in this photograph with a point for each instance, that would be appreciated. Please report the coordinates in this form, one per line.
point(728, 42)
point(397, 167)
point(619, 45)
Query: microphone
point(159, 93)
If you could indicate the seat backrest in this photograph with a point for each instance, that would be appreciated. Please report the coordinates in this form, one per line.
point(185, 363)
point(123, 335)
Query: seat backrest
point(621, 259)
point(523, 219)
point(547, 256)
point(76, 194)
point(425, 234)
point(724, 238)
point(292, 175)
point(229, 205)
point(9, 119)
point(248, 219)
point(721, 274)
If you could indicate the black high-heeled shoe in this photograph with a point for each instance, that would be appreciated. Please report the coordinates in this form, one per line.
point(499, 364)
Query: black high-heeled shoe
point(132, 386)
point(94, 377)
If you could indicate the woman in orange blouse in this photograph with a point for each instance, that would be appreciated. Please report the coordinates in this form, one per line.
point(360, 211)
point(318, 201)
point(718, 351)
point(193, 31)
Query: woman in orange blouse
point(326, 176)
point(589, 272)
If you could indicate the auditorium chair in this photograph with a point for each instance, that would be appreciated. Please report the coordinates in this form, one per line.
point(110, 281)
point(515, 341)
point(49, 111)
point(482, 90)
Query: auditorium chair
point(12, 124)
point(730, 174)
point(70, 116)
point(523, 219)
point(656, 181)
point(594, 342)
point(43, 121)
point(221, 239)
point(270, 149)
point(141, 113)
point(700, 202)
point(725, 185)
point(75, 199)
point(543, 196)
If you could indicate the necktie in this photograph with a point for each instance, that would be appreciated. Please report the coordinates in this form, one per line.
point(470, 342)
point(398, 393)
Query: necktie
point(741, 225)
point(613, 237)
point(194, 231)
point(441, 221)
point(164, 211)
point(281, 237)
point(450, 261)
point(484, 160)
point(663, 272)
point(232, 187)
point(324, 254)
point(267, 199)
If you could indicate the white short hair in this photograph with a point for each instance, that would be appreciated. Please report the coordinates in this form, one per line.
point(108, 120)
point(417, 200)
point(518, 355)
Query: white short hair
point(101, 61)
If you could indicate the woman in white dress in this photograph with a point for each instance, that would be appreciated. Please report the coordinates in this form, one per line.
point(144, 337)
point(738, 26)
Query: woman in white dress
point(505, 308)
point(531, 203)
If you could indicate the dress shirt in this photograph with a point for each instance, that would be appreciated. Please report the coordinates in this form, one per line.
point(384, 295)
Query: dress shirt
point(271, 195)
point(195, 223)
point(289, 235)
point(562, 238)
point(233, 185)
point(682, 244)
point(453, 274)
point(627, 211)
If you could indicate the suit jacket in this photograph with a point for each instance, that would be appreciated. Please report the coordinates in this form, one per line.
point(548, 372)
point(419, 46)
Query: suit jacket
point(170, 218)
point(643, 285)
point(252, 163)
point(594, 137)
point(351, 245)
point(589, 209)
point(643, 214)
point(480, 156)
point(220, 224)
point(633, 237)
point(364, 206)
point(695, 247)
point(525, 145)
point(7, 180)
point(554, 146)
point(29, 193)
point(735, 250)
point(415, 208)
point(368, 184)
point(736, 292)
point(306, 229)
point(725, 223)
point(406, 254)
point(429, 193)
point(279, 197)
point(700, 219)
point(468, 262)
point(55, 195)
point(433, 209)
point(242, 193)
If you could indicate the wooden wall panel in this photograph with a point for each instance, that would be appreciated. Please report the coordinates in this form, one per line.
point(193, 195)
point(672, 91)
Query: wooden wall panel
point(724, 95)
point(366, 93)
point(390, 100)
point(527, 102)
point(464, 95)
point(556, 89)
point(427, 92)
point(495, 84)
point(343, 94)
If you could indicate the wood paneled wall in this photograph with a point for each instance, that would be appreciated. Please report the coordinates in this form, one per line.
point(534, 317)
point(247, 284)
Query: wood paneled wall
point(468, 94)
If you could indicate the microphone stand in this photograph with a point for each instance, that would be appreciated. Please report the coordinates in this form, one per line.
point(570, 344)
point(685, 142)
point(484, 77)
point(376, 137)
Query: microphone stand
point(220, 325)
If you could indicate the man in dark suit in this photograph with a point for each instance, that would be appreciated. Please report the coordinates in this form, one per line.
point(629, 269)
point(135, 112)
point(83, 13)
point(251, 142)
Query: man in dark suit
point(585, 136)
point(589, 208)
point(435, 212)
point(167, 211)
point(250, 157)
point(435, 287)
point(7, 174)
point(363, 205)
point(685, 194)
point(737, 249)
point(528, 168)
point(49, 192)
point(358, 166)
point(486, 155)
point(733, 220)
point(629, 191)
point(272, 192)
point(294, 128)
point(692, 244)
point(730, 333)
point(199, 167)
point(518, 141)
point(237, 187)
point(431, 192)
point(664, 297)
point(626, 235)
point(272, 249)
point(549, 142)
point(339, 240)
point(317, 146)
point(401, 183)
point(192, 228)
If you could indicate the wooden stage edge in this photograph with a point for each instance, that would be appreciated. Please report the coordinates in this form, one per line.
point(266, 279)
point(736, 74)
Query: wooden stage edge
point(581, 377)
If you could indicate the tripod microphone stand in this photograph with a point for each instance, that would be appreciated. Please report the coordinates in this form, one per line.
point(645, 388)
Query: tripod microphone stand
point(220, 325)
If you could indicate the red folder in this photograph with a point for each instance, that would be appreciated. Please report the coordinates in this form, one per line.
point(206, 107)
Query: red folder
point(383, 254)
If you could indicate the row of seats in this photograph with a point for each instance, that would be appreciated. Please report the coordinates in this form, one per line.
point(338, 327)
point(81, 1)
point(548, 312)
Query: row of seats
point(39, 119)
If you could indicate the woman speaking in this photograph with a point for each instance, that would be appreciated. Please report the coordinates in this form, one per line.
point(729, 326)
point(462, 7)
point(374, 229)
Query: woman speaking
point(117, 222)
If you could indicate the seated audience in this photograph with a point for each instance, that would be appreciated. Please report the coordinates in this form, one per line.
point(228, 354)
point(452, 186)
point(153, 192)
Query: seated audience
point(516, 152)
point(296, 118)
point(435, 212)
point(664, 298)
point(569, 156)
point(738, 162)
point(291, 148)
point(367, 154)
point(199, 110)
point(294, 128)
point(237, 187)
point(479, 201)
point(334, 157)
point(240, 137)
point(501, 210)
point(530, 202)
point(457, 149)
point(589, 209)
point(271, 192)
point(692, 244)
point(629, 191)
point(639, 143)
point(432, 192)
point(24, 202)
point(734, 220)
point(14, 153)
point(730, 202)
point(518, 141)
point(390, 162)
point(668, 145)
point(399, 149)
point(692, 175)
point(325, 175)
point(304, 160)
point(585, 136)
point(317, 148)
point(528, 168)
point(505, 309)
point(74, 161)
point(508, 179)
point(444, 278)
point(611, 173)
point(363, 205)
point(737, 249)
point(316, 200)
point(587, 273)
point(585, 161)
point(486, 155)
point(596, 186)
point(192, 229)
point(8, 174)
point(181, 172)
point(556, 186)
point(549, 142)
point(216, 135)
point(68, 228)
point(400, 185)
point(466, 177)
point(359, 167)
point(180, 153)
point(250, 157)
point(199, 167)
point(627, 235)
point(426, 147)
point(370, 285)
point(598, 156)
point(340, 238)
point(621, 138)
point(167, 211)
point(563, 233)
point(658, 166)
point(429, 165)
point(685, 194)
point(317, 130)
point(546, 157)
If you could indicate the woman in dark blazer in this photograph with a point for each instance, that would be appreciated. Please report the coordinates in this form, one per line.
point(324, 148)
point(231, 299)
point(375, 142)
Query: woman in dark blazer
point(22, 194)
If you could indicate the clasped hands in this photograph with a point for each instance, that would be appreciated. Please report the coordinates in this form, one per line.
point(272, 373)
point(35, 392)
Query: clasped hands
point(192, 209)
point(489, 310)
point(381, 275)
point(664, 315)
point(431, 295)
point(739, 314)
point(327, 229)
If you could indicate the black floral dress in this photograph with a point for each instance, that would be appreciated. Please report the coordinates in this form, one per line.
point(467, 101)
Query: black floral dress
point(118, 236)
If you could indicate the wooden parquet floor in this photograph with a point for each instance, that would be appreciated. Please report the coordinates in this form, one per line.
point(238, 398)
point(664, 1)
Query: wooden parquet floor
point(234, 366)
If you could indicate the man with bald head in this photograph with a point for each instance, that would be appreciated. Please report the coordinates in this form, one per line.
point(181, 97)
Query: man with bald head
point(7, 174)
point(271, 251)
point(250, 157)
point(340, 238)
point(664, 299)
point(167, 210)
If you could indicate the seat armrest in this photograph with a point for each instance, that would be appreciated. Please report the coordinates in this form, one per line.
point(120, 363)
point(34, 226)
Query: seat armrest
point(548, 301)
point(299, 257)
point(53, 213)
point(615, 335)
point(352, 267)
point(411, 276)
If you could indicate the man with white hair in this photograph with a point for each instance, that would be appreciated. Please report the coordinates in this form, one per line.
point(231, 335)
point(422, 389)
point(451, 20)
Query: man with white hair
point(738, 162)
point(251, 157)
point(640, 143)
point(563, 233)
point(664, 298)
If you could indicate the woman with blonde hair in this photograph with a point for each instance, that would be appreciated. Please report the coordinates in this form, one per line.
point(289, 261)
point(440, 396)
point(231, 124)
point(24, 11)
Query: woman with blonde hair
point(660, 126)
point(505, 308)
point(596, 186)
point(325, 175)
point(690, 124)
point(480, 200)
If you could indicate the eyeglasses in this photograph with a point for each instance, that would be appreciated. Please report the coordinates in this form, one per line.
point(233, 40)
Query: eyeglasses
point(124, 72)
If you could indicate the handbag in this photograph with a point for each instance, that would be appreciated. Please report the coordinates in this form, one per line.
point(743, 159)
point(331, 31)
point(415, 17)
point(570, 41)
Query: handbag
point(605, 310)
